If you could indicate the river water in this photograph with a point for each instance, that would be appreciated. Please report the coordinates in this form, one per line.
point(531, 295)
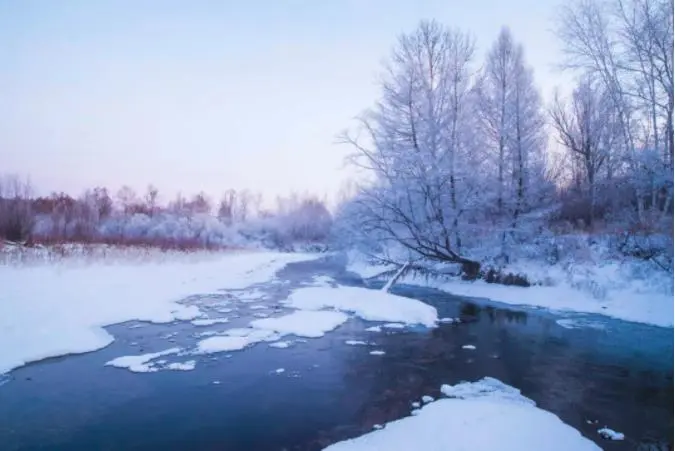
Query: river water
point(589, 370)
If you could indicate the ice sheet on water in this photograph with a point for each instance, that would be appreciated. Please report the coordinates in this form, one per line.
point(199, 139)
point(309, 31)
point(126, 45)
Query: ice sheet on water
point(281, 344)
point(610, 434)
point(370, 305)
point(141, 363)
point(209, 322)
point(311, 324)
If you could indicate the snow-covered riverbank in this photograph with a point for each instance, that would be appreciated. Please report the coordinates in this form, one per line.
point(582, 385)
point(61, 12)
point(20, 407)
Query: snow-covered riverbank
point(56, 309)
point(609, 289)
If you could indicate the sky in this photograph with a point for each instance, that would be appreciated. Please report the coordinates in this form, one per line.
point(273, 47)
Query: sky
point(212, 95)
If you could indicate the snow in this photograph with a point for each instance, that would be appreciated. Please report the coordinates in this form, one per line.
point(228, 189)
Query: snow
point(370, 305)
point(374, 329)
point(185, 366)
point(387, 286)
point(281, 344)
point(222, 344)
point(468, 347)
point(448, 320)
point(394, 326)
point(605, 290)
point(235, 340)
point(415, 412)
point(323, 281)
point(602, 286)
point(209, 322)
point(51, 310)
point(279, 370)
point(578, 323)
point(610, 434)
point(355, 343)
point(489, 415)
point(140, 363)
point(416, 405)
point(257, 307)
point(377, 352)
point(359, 266)
point(427, 399)
point(311, 324)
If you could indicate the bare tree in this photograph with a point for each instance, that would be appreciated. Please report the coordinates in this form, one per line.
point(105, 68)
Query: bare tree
point(151, 200)
point(627, 45)
point(585, 129)
point(126, 197)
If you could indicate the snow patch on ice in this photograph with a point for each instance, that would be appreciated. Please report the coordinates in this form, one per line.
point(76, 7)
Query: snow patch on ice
point(355, 343)
point(182, 366)
point(485, 415)
point(209, 322)
point(72, 303)
point(471, 347)
point(141, 363)
point(281, 344)
point(374, 329)
point(610, 434)
point(427, 399)
point(394, 326)
point(235, 340)
point(377, 352)
point(370, 305)
point(311, 324)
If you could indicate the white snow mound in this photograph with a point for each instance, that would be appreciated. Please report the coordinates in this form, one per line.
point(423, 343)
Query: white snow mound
point(489, 415)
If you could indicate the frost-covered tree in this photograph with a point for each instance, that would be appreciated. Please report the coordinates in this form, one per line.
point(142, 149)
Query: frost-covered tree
point(586, 128)
point(628, 46)
point(417, 143)
point(513, 125)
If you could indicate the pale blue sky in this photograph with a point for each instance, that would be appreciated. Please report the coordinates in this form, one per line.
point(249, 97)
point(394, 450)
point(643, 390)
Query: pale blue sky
point(210, 95)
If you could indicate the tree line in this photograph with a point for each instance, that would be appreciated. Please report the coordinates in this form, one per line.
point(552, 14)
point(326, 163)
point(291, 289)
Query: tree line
point(459, 152)
point(183, 222)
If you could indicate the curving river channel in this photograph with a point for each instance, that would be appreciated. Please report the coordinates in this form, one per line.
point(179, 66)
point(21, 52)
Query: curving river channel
point(589, 370)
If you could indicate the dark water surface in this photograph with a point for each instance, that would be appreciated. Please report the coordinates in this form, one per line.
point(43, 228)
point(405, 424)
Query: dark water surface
point(608, 372)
